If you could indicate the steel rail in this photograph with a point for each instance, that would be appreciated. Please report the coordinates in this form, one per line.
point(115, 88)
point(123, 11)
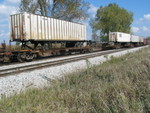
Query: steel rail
point(19, 69)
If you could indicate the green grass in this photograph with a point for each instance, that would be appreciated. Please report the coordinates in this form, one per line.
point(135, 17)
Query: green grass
point(121, 85)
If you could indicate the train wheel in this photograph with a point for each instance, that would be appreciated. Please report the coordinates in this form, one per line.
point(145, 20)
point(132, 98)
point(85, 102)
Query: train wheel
point(1, 59)
point(82, 51)
point(21, 57)
point(90, 50)
point(132, 45)
point(29, 57)
point(117, 46)
point(6, 59)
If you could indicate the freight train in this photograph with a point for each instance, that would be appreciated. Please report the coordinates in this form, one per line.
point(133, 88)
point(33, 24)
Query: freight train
point(41, 36)
point(120, 39)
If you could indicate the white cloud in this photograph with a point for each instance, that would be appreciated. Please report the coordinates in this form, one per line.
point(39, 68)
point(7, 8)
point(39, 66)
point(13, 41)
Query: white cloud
point(141, 31)
point(12, 1)
point(7, 7)
point(4, 26)
point(147, 17)
point(135, 29)
point(7, 10)
point(144, 20)
point(144, 28)
point(92, 12)
point(4, 34)
point(2, 31)
point(141, 26)
point(93, 9)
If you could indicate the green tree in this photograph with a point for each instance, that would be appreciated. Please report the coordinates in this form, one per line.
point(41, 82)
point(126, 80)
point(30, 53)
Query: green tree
point(112, 18)
point(148, 37)
point(71, 10)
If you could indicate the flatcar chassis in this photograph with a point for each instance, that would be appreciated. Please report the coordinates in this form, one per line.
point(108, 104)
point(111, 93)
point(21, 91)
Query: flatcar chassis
point(31, 50)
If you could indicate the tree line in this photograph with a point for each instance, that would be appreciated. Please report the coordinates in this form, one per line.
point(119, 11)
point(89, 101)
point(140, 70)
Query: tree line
point(109, 18)
point(70, 10)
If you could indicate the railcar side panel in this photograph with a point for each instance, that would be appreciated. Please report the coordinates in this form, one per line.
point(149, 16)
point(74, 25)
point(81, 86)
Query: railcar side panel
point(119, 37)
point(26, 26)
point(135, 39)
point(141, 40)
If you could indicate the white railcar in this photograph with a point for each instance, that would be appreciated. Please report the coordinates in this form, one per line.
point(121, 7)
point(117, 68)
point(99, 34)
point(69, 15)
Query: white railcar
point(135, 38)
point(119, 37)
point(141, 39)
point(26, 26)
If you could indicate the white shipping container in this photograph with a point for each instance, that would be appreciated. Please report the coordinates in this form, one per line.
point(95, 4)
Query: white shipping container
point(119, 37)
point(135, 38)
point(26, 26)
point(141, 39)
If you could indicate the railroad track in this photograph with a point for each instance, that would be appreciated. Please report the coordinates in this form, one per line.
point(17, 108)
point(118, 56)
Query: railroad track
point(30, 67)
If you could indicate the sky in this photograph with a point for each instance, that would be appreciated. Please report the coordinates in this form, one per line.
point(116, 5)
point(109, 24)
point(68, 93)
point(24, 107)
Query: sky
point(140, 9)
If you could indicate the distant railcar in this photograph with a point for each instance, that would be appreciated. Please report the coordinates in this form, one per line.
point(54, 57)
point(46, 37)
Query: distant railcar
point(146, 41)
point(119, 37)
point(123, 39)
point(141, 40)
point(135, 39)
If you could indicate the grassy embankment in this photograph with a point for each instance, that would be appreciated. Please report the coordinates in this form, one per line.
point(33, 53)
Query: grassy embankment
point(121, 85)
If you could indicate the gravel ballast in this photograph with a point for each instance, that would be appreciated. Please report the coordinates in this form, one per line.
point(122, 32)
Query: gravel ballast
point(40, 78)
